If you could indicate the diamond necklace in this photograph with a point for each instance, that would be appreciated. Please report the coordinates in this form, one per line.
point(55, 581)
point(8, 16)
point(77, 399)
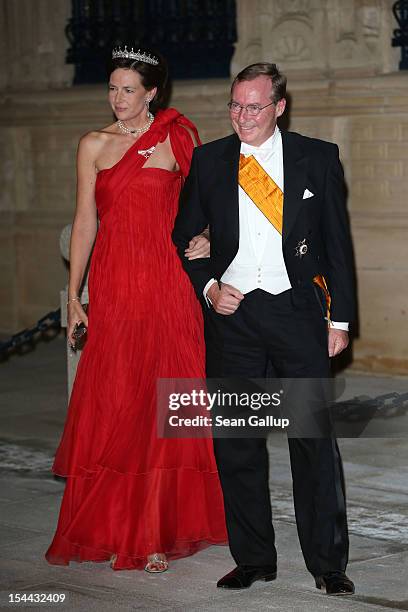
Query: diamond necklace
point(136, 131)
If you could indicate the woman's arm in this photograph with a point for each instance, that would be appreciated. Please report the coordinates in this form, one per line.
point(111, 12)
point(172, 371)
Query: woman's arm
point(84, 227)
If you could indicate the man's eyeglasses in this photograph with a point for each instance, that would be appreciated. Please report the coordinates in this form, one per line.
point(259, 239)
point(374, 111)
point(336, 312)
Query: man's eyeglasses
point(251, 109)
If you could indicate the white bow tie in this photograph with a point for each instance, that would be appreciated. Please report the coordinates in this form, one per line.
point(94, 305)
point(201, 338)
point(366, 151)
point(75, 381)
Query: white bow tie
point(265, 151)
point(258, 152)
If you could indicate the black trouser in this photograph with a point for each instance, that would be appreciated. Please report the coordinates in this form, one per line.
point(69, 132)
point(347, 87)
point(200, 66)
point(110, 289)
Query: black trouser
point(283, 336)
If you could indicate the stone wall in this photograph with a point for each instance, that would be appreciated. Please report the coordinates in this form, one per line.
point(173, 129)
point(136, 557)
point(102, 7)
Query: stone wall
point(317, 38)
point(343, 87)
point(39, 132)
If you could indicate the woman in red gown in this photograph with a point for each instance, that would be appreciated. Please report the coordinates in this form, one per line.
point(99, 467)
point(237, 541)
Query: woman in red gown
point(131, 497)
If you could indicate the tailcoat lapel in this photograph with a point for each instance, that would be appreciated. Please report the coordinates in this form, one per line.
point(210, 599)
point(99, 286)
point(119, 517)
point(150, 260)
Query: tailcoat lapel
point(228, 185)
point(294, 172)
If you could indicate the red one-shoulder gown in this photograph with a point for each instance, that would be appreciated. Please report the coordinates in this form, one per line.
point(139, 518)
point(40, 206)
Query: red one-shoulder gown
point(128, 492)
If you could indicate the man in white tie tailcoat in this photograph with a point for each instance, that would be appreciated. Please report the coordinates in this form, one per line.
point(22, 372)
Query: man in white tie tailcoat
point(275, 206)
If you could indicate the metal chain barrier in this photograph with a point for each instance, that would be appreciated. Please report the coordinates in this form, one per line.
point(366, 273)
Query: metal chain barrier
point(23, 341)
point(384, 406)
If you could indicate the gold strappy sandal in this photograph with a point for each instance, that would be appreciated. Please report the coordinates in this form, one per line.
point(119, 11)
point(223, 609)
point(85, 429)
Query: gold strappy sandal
point(156, 563)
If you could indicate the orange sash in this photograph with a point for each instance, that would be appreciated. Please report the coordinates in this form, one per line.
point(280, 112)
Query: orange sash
point(262, 190)
point(268, 197)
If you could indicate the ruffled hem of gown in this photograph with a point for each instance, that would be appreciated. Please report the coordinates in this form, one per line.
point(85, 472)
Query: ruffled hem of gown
point(63, 552)
point(96, 523)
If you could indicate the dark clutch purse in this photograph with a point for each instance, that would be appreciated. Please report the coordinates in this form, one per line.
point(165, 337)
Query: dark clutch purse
point(80, 332)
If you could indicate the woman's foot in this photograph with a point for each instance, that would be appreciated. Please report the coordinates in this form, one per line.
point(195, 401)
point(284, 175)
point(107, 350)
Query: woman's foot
point(156, 563)
point(113, 560)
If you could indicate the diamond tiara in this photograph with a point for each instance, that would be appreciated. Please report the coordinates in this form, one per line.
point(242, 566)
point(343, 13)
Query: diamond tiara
point(136, 55)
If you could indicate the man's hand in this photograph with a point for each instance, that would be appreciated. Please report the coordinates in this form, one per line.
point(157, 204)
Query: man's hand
point(198, 247)
point(226, 300)
point(338, 340)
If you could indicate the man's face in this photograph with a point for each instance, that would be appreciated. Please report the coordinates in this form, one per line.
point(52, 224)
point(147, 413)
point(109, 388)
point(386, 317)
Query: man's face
point(254, 130)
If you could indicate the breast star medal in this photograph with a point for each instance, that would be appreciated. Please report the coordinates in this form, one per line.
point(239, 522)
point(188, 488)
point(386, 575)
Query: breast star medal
point(301, 248)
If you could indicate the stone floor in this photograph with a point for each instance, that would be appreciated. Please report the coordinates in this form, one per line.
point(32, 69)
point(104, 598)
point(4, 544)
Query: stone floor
point(32, 409)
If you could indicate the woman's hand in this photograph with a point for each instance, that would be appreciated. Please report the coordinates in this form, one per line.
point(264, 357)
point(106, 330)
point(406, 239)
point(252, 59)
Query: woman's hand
point(76, 314)
point(198, 247)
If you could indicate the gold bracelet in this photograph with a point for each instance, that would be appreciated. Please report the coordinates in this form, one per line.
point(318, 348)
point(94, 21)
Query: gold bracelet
point(74, 299)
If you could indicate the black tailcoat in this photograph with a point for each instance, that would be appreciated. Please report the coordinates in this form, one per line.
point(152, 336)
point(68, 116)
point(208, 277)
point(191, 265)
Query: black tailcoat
point(210, 197)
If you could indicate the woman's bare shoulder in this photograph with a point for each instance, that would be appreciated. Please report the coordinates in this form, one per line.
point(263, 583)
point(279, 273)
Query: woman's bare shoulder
point(93, 142)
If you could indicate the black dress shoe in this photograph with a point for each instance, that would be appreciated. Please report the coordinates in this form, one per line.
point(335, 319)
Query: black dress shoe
point(244, 575)
point(335, 583)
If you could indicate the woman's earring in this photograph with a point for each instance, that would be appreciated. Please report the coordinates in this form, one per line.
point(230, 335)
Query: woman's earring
point(147, 102)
